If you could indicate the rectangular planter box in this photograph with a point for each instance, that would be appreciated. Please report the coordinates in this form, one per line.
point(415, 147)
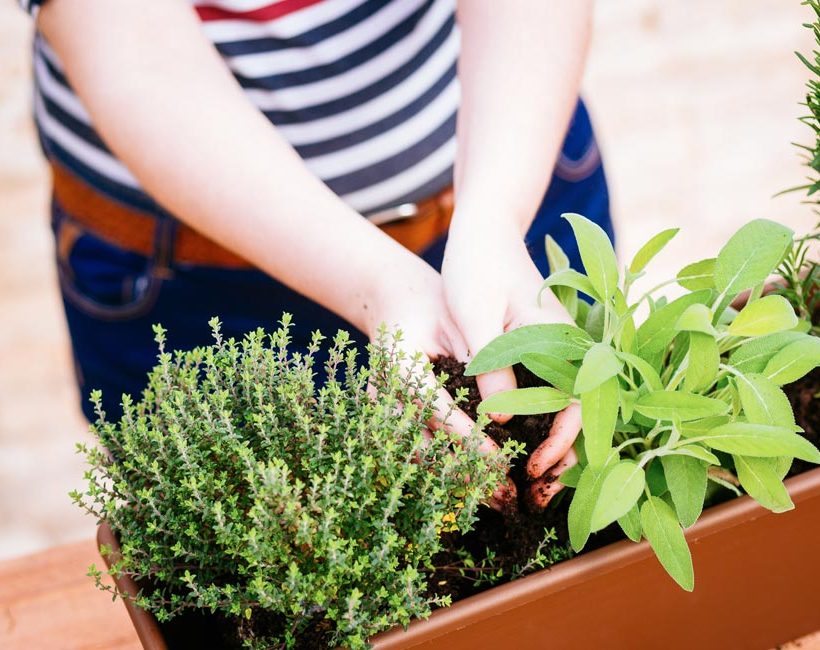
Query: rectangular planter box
point(757, 579)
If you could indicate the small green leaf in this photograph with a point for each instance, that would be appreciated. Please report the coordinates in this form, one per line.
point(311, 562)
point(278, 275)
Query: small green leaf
point(759, 440)
point(658, 330)
point(655, 478)
point(751, 255)
point(525, 401)
point(794, 361)
point(696, 451)
point(766, 315)
point(599, 413)
point(630, 523)
point(556, 339)
point(645, 370)
point(556, 257)
point(570, 476)
point(599, 364)
point(627, 398)
point(579, 517)
point(661, 527)
point(597, 254)
point(554, 370)
point(623, 483)
point(759, 477)
point(595, 321)
point(698, 275)
point(572, 279)
point(696, 318)
point(763, 402)
point(703, 362)
point(754, 354)
point(678, 406)
point(686, 478)
point(651, 248)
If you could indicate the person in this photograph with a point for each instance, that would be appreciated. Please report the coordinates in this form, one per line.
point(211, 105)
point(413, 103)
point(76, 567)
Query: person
point(353, 162)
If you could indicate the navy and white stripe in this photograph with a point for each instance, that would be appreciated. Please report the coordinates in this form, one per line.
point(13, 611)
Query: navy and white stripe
point(365, 90)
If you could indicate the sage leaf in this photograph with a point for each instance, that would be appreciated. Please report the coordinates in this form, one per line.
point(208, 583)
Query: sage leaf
point(751, 255)
point(525, 401)
point(696, 318)
point(579, 517)
point(766, 315)
point(661, 527)
point(621, 487)
point(703, 364)
point(572, 279)
point(554, 370)
point(759, 440)
point(794, 361)
point(597, 254)
point(754, 354)
point(658, 330)
point(650, 249)
point(599, 413)
point(696, 451)
point(565, 341)
point(759, 477)
point(655, 478)
point(600, 363)
point(698, 275)
point(630, 523)
point(595, 321)
point(556, 257)
point(650, 376)
point(678, 406)
point(627, 398)
point(686, 478)
point(570, 476)
point(763, 401)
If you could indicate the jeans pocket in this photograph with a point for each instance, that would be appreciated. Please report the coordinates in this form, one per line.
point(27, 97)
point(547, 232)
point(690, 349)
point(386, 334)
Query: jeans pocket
point(101, 279)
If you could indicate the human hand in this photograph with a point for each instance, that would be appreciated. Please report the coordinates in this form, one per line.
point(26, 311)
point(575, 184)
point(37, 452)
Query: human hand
point(491, 286)
point(412, 300)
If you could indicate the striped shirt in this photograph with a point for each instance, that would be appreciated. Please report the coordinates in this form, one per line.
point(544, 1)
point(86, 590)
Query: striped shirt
point(365, 90)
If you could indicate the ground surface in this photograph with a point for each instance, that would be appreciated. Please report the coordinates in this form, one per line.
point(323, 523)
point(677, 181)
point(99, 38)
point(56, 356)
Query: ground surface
point(695, 105)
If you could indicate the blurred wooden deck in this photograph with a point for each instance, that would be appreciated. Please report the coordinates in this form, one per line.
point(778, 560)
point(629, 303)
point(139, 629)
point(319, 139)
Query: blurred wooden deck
point(48, 602)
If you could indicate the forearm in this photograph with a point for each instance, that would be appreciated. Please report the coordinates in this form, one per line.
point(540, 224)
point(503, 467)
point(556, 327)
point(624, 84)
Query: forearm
point(520, 69)
point(169, 109)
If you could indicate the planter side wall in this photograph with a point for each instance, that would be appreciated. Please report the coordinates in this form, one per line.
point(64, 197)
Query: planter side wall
point(757, 576)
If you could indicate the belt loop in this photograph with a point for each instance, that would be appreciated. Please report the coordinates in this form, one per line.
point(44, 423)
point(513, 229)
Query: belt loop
point(164, 238)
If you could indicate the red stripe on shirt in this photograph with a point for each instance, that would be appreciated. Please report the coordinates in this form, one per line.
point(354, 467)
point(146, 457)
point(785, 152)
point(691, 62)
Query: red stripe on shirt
point(262, 14)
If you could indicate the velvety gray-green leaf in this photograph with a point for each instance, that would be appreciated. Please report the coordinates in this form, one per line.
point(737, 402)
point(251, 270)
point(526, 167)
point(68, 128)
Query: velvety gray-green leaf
point(696, 318)
point(557, 339)
point(759, 477)
point(571, 278)
point(630, 523)
point(794, 361)
point(554, 370)
point(696, 451)
point(661, 527)
point(703, 362)
point(597, 254)
point(651, 248)
point(763, 401)
point(649, 375)
point(622, 484)
point(658, 330)
point(655, 478)
point(570, 476)
point(579, 517)
point(759, 440)
point(599, 364)
point(767, 315)
point(751, 255)
point(686, 478)
point(755, 353)
point(698, 275)
point(599, 413)
point(678, 406)
point(525, 401)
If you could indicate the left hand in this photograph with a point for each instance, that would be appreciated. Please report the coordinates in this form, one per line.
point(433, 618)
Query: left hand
point(491, 285)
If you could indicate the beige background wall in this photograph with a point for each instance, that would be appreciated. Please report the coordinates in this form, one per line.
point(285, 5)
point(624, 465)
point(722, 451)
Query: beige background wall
point(695, 101)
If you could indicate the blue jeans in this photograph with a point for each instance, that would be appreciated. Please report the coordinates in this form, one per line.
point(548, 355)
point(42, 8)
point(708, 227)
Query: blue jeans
point(112, 297)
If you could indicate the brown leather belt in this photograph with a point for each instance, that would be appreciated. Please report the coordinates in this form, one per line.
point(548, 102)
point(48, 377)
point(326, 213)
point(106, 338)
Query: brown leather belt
point(135, 230)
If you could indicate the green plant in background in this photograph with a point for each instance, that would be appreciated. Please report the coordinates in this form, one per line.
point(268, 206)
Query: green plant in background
point(690, 395)
point(241, 487)
point(812, 103)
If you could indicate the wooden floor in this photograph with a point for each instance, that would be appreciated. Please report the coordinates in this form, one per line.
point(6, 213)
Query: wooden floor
point(47, 602)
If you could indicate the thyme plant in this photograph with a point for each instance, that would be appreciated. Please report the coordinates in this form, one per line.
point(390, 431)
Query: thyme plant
point(238, 485)
point(689, 395)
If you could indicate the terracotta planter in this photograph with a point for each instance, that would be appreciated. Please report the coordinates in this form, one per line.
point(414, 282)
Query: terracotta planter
point(757, 576)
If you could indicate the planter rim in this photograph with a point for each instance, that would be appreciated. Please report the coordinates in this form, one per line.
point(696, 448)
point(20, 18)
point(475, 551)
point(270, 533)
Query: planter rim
point(498, 600)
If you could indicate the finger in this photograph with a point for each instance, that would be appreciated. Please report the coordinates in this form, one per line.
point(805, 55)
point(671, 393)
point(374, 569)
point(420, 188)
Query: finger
point(494, 382)
point(453, 420)
point(562, 435)
point(505, 497)
point(545, 488)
